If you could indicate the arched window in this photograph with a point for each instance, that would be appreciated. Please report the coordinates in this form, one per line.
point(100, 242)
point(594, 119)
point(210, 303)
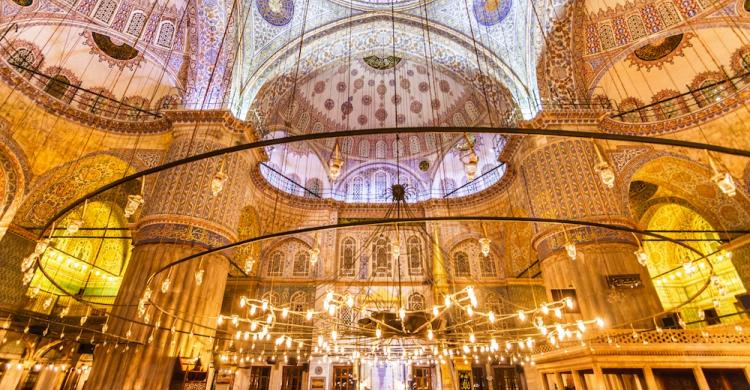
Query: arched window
point(272, 298)
point(669, 15)
point(291, 185)
point(414, 253)
point(313, 186)
point(105, 10)
point(381, 256)
point(380, 149)
point(381, 183)
point(668, 104)
point(637, 30)
point(606, 36)
point(490, 175)
point(487, 264)
point(448, 185)
point(22, 58)
point(166, 34)
point(297, 304)
point(364, 148)
point(358, 185)
point(745, 61)
point(398, 146)
point(301, 264)
point(416, 302)
point(429, 140)
point(347, 145)
point(461, 265)
point(414, 147)
point(629, 107)
point(57, 86)
point(347, 257)
point(471, 187)
point(711, 90)
point(276, 264)
point(137, 21)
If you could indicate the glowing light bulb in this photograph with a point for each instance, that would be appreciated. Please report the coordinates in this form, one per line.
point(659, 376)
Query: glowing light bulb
point(470, 311)
point(73, 226)
point(491, 317)
point(243, 301)
point(402, 313)
point(249, 263)
point(484, 245)
point(217, 183)
point(472, 338)
point(569, 303)
point(599, 322)
point(521, 315)
point(395, 251)
point(570, 249)
point(331, 310)
point(264, 305)
point(558, 312)
point(334, 335)
point(378, 332)
point(688, 267)
point(581, 325)
point(606, 173)
point(132, 205)
point(641, 256)
point(447, 301)
point(199, 276)
point(219, 320)
point(165, 285)
point(349, 301)
point(722, 179)
point(545, 309)
point(435, 311)
point(309, 314)
point(284, 312)
point(430, 334)
point(41, 246)
point(314, 255)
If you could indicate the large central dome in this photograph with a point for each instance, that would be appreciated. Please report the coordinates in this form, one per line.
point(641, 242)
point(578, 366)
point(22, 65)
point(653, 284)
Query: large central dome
point(377, 91)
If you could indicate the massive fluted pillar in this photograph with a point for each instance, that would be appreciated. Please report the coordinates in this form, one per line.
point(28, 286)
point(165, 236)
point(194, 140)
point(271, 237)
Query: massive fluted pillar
point(562, 183)
point(180, 217)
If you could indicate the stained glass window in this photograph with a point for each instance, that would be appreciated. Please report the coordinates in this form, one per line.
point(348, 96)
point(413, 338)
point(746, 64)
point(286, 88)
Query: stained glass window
point(301, 264)
point(137, 21)
point(166, 34)
point(276, 265)
point(347, 256)
point(461, 264)
point(105, 11)
point(414, 253)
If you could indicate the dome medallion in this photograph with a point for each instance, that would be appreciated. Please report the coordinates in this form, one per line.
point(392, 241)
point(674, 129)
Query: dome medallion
point(491, 12)
point(276, 12)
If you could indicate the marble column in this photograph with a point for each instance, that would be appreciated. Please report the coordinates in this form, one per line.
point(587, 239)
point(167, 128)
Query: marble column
point(180, 217)
point(562, 183)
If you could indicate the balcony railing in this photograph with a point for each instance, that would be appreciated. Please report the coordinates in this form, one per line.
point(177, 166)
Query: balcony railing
point(59, 89)
point(685, 103)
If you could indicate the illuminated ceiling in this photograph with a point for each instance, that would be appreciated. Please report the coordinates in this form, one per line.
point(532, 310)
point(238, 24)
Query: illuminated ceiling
point(470, 38)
